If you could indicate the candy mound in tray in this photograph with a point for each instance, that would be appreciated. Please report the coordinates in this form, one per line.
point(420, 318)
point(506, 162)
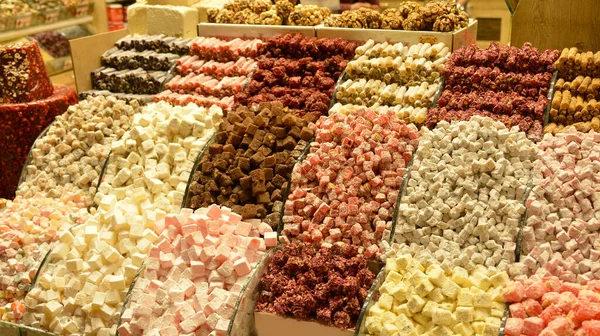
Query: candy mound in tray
point(504, 83)
point(28, 104)
point(138, 65)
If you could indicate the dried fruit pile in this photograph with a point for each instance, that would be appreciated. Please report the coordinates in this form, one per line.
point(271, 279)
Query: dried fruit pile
point(577, 92)
point(504, 83)
point(442, 16)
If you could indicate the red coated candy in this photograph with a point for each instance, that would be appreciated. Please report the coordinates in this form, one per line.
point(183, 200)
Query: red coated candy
point(513, 327)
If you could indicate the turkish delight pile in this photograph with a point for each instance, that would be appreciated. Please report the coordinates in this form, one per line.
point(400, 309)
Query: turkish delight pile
point(393, 75)
point(195, 273)
point(249, 165)
point(504, 83)
point(547, 306)
point(72, 152)
point(561, 231)
point(145, 181)
point(213, 73)
point(420, 297)
point(327, 284)
point(345, 190)
point(29, 228)
point(576, 97)
point(465, 193)
point(301, 72)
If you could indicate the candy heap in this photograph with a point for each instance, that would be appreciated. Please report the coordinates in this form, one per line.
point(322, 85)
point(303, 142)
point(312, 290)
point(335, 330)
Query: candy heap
point(265, 12)
point(138, 65)
point(328, 285)
point(577, 92)
point(548, 306)
point(54, 42)
point(501, 82)
point(195, 273)
point(216, 70)
point(422, 298)
point(346, 188)
point(393, 75)
point(465, 193)
point(561, 231)
point(300, 72)
point(72, 152)
point(28, 104)
point(83, 287)
point(248, 166)
point(158, 153)
point(29, 227)
point(442, 16)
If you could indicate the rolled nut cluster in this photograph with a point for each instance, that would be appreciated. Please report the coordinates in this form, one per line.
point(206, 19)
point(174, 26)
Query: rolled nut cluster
point(30, 225)
point(397, 63)
point(410, 114)
point(375, 92)
point(194, 278)
point(138, 81)
point(421, 298)
point(359, 18)
point(308, 15)
point(158, 152)
point(249, 165)
point(328, 285)
point(345, 190)
point(577, 93)
point(561, 234)
point(72, 153)
point(467, 187)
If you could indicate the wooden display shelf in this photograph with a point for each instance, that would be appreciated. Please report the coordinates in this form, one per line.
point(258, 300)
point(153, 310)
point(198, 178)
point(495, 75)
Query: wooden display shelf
point(493, 17)
point(15, 34)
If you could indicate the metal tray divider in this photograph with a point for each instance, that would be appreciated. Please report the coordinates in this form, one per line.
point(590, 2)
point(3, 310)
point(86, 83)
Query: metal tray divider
point(130, 291)
point(370, 300)
point(186, 196)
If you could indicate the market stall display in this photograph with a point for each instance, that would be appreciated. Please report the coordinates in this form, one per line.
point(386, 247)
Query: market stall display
point(402, 78)
point(576, 94)
point(465, 193)
point(504, 83)
point(28, 104)
point(561, 226)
